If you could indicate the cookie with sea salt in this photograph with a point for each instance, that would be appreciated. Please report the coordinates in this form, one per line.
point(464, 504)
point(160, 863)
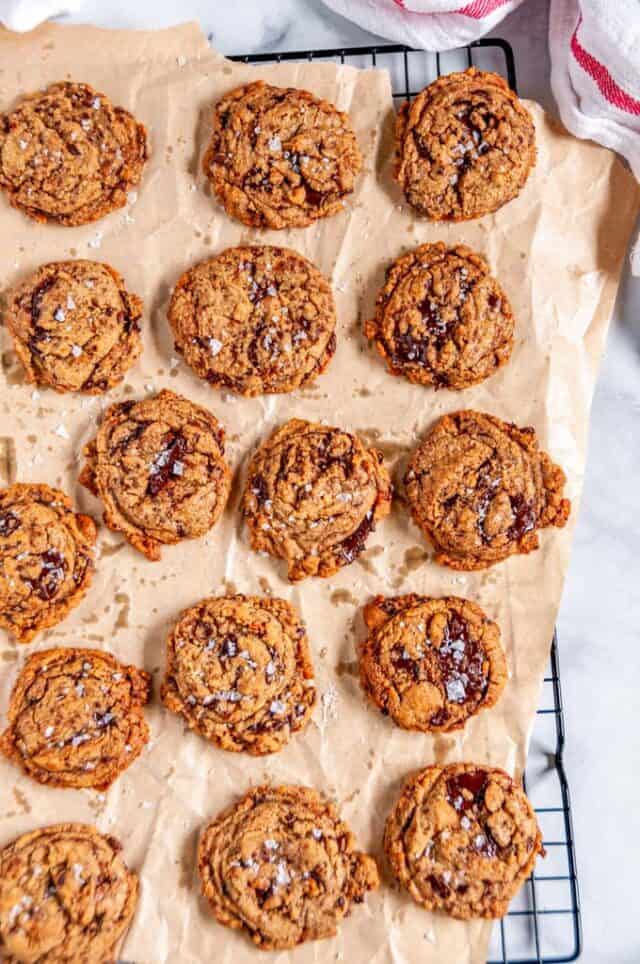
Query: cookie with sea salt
point(464, 146)
point(46, 558)
point(66, 895)
point(313, 496)
point(441, 318)
point(462, 839)
point(76, 718)
point(158, 466)
point(431, 664)
point(74, 326)
point(283, 866)
point(480, 489)
point(239, 671)
point(68, 155)
point(279, 157)
point(254, 320)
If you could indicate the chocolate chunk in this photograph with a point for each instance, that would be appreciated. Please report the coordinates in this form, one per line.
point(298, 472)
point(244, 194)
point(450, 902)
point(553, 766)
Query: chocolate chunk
point(167, 464)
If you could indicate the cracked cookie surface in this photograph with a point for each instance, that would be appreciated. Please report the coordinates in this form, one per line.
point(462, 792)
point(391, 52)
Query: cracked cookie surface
point(313, 496)
point(158, 466)
point(480, 489)
point(254, 319)
point(462, 839)
point(279, 157)
point(46, 558)
point(67, 155)
point(441, 318)
point(75, 327)
point(464, 146)
point(239, 671)
point(76, 718)
point(66, 895)
point(281, 864)
point(431, 664)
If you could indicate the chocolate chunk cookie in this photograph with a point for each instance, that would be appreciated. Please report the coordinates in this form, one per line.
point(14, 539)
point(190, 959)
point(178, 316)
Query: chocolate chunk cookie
point(281, 864)
point(464, 146)
point(239, 671)
point(76, 718)
point(279, 157)
point(480, 488)
point(46, 558)
point(255, 320)
point(74, 326)
point(68, 155)
point(462, 839)
point(431, 663)
point(158, 466)
point(66, 896)
point(313, 495)
point(441, 318)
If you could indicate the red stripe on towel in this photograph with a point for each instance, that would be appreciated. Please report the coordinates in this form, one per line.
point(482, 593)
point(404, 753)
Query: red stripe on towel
point(481, 8)
point(599, 73)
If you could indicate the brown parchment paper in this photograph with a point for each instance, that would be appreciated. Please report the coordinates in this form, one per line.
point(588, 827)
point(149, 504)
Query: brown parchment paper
point(557, 250)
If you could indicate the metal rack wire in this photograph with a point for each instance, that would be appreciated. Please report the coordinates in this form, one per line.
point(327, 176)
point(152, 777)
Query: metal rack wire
point(543, 925)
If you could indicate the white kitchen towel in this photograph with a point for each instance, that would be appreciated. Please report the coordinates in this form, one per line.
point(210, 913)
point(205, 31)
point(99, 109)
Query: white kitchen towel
point(595, 75)
point(594, 46)
point(427, 24)
point(26, 14)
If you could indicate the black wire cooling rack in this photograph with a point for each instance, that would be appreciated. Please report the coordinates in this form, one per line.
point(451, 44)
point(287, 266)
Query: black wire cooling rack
point(543, 925)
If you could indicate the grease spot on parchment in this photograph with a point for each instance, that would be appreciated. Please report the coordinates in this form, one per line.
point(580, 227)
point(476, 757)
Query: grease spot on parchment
point(341, 596)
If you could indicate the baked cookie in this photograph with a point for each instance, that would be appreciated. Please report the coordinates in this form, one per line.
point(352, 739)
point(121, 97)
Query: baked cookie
point(74, 326)
point(158, 466)
point(46, 558)
point(464, 146)
point(68, 155)
point(255, 320)
point(313, 495)
point(66, 896)
point(462, 839)
point(279, 157)
point(441, 318)
point(431, 664)
point(239, 671)
point(281, 864)
point(480, 488)
point(76, 718)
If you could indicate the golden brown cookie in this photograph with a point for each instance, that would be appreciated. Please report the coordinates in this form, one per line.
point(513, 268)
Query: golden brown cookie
point(464, 147)
point(255, 320)
point(430, 664)
point(480, 488)
point(74, 326)
point(68, 155)
point(76, 717)
point(66, 897)
point(46, 558)
point(281, 864)
point(158, 466)
point(239, 671)
point(462, 839)
point(312, 497)
point(441, 318)
point(279, 157)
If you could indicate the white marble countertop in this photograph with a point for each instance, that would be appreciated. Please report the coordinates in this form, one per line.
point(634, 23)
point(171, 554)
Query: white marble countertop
point(598, 624)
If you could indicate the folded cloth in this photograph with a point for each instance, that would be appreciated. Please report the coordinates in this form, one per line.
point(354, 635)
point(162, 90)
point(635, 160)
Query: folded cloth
point(27, 14)
point(595, 75)
point(594, 46)
point(427, 24)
